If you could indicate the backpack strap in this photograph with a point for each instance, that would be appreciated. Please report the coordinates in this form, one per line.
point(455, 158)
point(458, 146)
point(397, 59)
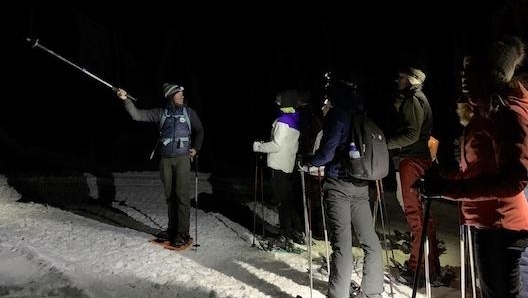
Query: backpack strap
point(187, 119)
point(163, 117)
point(355, 126)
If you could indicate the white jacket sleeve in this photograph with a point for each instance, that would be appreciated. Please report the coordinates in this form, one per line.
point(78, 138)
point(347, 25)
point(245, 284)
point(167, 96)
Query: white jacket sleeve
point(279, 134)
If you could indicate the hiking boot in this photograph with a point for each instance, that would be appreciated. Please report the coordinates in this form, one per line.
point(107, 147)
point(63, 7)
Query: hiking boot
point(281, 241)
point(406, 277)
point(186, 237)
point(297, 237)
point(356, 292)
point(177, 241)
point(180, 239)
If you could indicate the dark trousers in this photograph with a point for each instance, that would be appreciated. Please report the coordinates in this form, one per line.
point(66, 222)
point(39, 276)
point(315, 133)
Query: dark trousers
point(282, 186)
point(313, 192)
point(175, 175)
point(347, 206)
point(524, 273)
point(497, 255)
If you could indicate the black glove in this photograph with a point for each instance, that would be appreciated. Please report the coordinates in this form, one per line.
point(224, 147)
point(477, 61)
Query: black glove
point(306, 158)
point(432, 184)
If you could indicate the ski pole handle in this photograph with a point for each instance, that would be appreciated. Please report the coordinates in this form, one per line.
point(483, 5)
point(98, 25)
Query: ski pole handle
point(127, 95)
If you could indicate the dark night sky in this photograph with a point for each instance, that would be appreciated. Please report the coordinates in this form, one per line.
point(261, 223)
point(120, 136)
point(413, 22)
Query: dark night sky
point(231, 60)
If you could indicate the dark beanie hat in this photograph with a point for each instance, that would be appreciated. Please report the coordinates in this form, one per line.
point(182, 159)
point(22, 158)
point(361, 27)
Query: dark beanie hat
point(292, 98)
point(170, 89)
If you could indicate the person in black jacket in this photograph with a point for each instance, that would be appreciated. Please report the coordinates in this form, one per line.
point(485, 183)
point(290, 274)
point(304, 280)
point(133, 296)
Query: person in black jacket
point(412, 157)
point(346, 199)
point(181, 137)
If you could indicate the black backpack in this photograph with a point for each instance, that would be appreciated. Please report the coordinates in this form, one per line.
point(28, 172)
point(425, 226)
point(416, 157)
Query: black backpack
point(373, 163)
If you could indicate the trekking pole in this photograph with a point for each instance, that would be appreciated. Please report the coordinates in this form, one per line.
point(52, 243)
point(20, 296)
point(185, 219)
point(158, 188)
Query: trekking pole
point(307, 229)
point(427, 269)
point(384, 211)
point(422, 244)
point(471, 261)
point(379, 198)
point(35, 44)
point(196, 203)
point(423, 240)
point(462, 240)
point(255, 200)
point(324, 220)
point(466, 245)
point(261, 157)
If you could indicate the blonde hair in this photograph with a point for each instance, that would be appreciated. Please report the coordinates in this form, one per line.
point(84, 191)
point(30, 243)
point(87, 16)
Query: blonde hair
point(465, 113)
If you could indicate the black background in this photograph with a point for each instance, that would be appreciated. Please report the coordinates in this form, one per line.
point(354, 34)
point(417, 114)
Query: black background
point(231, 59)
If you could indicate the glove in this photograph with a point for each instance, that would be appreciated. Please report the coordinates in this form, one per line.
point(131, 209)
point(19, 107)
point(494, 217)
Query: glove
point(256, 146)
point(432, 184)
point(316, 171)
point(302, 166)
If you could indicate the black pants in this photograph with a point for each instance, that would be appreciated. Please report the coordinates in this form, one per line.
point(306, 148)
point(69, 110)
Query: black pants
point(282, 186)
point(497, 255)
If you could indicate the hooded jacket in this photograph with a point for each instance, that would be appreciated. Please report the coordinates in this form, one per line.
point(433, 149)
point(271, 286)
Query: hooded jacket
point(494, 167)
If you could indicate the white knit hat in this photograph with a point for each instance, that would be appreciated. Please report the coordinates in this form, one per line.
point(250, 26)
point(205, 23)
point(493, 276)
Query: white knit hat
point(415, 76)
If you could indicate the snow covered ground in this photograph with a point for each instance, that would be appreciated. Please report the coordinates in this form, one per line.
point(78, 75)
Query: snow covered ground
point(88, 250)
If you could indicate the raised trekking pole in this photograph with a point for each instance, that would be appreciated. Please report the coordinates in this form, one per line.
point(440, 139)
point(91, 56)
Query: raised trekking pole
point(307, 228)
point(196, 203)
point(35, 44)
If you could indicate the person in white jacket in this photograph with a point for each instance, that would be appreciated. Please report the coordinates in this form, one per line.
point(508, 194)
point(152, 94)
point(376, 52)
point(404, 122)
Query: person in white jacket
point(281, 153)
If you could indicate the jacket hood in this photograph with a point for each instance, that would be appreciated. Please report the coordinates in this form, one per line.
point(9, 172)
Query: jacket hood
point(518, 100)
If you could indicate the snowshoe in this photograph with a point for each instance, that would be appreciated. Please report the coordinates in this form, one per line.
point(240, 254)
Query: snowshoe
point(402, 236)
point(170, 246)
point(280, 244)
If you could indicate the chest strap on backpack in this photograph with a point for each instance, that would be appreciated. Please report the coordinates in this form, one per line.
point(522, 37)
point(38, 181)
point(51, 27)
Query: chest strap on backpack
point(181, 141)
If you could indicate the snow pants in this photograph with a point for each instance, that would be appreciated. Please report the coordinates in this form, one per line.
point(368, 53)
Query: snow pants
point(175, 175)
point(347, 206)
point(282, 186)
point(411, 169)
